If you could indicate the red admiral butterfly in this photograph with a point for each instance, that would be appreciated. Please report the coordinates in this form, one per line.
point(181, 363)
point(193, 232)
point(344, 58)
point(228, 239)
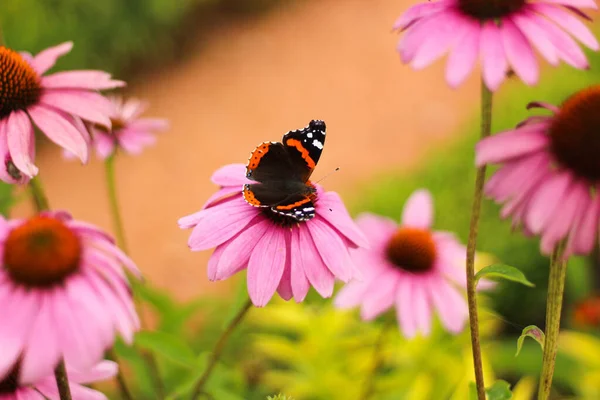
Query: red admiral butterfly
point(282, 170)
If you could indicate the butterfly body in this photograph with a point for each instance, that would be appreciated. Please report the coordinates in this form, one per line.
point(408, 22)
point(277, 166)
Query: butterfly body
point(282, 171)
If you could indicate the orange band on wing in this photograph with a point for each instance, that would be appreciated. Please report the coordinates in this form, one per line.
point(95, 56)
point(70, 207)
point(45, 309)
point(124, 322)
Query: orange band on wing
point(296, 143)
point(296, 204)
point(250, 198)
point(257, 154)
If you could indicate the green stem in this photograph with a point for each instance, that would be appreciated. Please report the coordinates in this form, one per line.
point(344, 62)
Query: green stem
point(113, 199)
point(369, 387)
point(556, 288)
point(120, 378)
point(62, 381)
point(486, 127)
point(39, 196)
point(218, 350)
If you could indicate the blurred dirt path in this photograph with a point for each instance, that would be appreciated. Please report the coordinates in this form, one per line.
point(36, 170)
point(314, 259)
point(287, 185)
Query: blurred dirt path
point(252, 81)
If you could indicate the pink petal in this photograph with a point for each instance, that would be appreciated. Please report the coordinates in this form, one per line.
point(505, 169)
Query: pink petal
point(21, 142)
point(540, 104)
point(404, 307)
point(536, 37)
point(417, 12)
point(104, 145)
point(299, 281)
point(332, 249)
point(89, 106)
point(568, 22)
point(575, 3)
point(378, 229)
point(447, 30)
point(508, 145)
point(100, 372)
point(90, 80)
point(213, 261)
point(220, 223)
point(60, 131)
point(331, 208)
point(230, 175)
point(380, 295)
point(422, 306)
point(225, 194)
point(351, 295)
point(150, 124)
point(494, 63)
point(583, 234)
point(131, 109)
point(236, 254)
point(519, 52)
point(418, 210)
point(46, 59)
point(285, 285)
point(413, 38)
point(266, 266)
point(316, 271)
point(464, 54)
point(5, 156)
point(451, 306)
point(545, 201)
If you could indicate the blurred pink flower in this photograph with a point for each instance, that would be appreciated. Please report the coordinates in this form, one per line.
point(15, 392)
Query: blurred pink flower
point(550, 172)
point(64, 294)
point(280, 253)
point(45, 388)
point(129, 132)
point(411, 267)
point(55, 103)
point(502, 33)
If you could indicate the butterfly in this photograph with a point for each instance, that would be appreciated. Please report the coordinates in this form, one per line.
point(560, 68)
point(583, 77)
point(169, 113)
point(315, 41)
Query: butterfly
point(282, 171)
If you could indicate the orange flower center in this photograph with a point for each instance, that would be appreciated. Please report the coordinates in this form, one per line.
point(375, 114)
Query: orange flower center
point(412, 249)
point(575, 134)
point(20, 85)
point(42, 252)
point(490, 9)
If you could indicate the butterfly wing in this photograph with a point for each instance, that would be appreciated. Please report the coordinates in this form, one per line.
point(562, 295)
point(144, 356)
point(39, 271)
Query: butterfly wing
point(304, 147)
point(269, 162)
point(282, 199)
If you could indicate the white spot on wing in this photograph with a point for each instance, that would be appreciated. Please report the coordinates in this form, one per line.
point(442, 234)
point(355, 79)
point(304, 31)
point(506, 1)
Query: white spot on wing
point(309, 135)
point(317, 144)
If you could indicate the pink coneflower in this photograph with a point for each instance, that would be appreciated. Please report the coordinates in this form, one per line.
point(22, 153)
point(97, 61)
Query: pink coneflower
point(46, 388)
point(129, 132)
point(550, 175)
point(409, 266)
point(64, 294)
point(55, 103)
point(281, 253)
point(503, 33)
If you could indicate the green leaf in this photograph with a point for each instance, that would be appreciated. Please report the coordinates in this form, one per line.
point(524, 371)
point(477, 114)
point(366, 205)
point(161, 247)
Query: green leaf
point(279, 397)
point(169, 346)
point(500, 390)
point(184, 389)
point(472, 391)
point(533, 332)
point(503, 271)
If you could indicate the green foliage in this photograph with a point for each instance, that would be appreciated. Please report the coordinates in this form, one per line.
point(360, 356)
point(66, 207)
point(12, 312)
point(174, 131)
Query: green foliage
point(279, 397)
point(500, 390)
point(533, 332)
point(504, 272)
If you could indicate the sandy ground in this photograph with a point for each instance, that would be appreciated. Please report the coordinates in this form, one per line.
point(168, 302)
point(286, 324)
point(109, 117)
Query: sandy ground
point(252, 81)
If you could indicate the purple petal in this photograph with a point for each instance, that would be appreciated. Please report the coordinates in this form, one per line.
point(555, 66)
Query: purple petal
point(266, 266)
point(568, 22)
point(220, 223)
point(537, 37)
point(447, 30)
point(494, 63)
point(418, 210)
point(46, 59)
point(584, 231)
point(331, 208)
point(332, 249)
point(21, 142)
point(300, 283)
point(60, 131)
point(285, 285)
point(230, 175)
point(545, 201)
point(84, 79)
point(464, 54)
point(89, 106)
point(508, 145)
point(314, 268)
point(519, 52)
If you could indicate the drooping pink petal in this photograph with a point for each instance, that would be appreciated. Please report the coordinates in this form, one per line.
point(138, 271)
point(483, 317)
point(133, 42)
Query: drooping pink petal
point(418, 210)
point(285, 285)
point(150, 124)
point(404, 308)
point(86, 105)
point(464, 55)
point(519, 53)
point(132, 108)
point(46, 59)
point(536, 37)
point(5, 156)
point(220, 224)
point(547, 198)
point(317, 273)
point(376, 228)
point(584, 232)
point(411, 41)
point(102, 371)
point(351, 295)
point(82, 79)
point(60, 131)
point(230, 175)
point(331, 208)
point(89, 230)
point(540, 104)
point(21, 142)
point(236, 254)
point(332, 249)
point(213, 262)
point(225, 194)
point(417, 12)
point(568, 22)
point(505, 146)
point(422, 305)
point(451, 306)
point(299, 281)
point(575, 3)
point(493, 58)
point(381, 295)
point(266, 266)
point(447, 29)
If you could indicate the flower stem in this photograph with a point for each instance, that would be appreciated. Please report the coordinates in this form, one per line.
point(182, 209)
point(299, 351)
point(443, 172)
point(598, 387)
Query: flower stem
point(39, 196)
point(369, 387)
point(121, 383)
point(62, 381)
point(113, 199)
point(218, 349)
point(486, 127)
point(556, 288)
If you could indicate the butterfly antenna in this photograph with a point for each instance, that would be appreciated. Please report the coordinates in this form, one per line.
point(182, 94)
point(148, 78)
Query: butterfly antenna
point(328, 175)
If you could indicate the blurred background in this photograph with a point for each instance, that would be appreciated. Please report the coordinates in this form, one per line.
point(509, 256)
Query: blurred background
point(229, 74)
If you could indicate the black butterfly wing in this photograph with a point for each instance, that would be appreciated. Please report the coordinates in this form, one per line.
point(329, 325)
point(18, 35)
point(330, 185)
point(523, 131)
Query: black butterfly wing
point(269, 162)
point(292, 199)
point(304, 147)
